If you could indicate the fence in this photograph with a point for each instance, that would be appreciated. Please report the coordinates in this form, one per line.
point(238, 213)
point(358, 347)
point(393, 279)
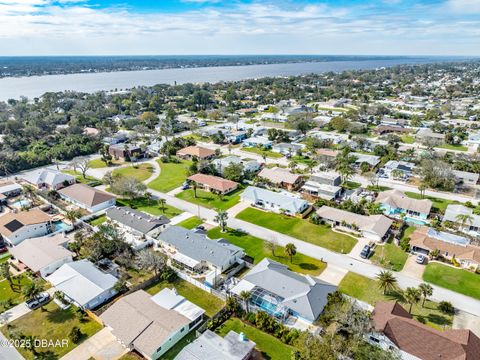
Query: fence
point(198, 284)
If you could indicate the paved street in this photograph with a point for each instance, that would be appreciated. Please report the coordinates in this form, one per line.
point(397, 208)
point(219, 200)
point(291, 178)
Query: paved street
point(8, 352)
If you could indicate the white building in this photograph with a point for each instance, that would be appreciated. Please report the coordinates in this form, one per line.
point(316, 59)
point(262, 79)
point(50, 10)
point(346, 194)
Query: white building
point(278, 202)
point(16, 227)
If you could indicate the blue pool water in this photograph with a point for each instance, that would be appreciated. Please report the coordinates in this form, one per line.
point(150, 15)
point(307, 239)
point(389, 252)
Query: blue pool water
point(60, 226)
point(414, 221)
point(21, 203)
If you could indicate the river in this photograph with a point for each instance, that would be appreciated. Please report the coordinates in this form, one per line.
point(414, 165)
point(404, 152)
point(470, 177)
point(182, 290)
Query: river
point(35, 86)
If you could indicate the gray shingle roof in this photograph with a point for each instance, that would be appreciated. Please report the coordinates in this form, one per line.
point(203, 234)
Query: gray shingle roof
point(136, 220)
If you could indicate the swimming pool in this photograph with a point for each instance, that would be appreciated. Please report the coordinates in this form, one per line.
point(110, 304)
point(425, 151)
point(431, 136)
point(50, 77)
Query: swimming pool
point(21, 203)
point(60, 226)
point(414, 221)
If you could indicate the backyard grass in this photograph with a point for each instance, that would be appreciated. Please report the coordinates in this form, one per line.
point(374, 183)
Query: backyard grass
point(150, 206)
point(367, 290)
point(351, 185)
point(269, 346)
point(141, 172)
point(440, 204)
point(257, 249)
point(261, 152)
point(407, 139)
point(191, 222)
point(99, 220)
point(306, 160)
point(208, 302)
point(459, 280)
point(52, 324)
point(302, 229)
point(389, 256)
point(172, 175)
point(13, 296)
point(407, 232)
point(210, 200)
point(175, 350)
point(453, 147)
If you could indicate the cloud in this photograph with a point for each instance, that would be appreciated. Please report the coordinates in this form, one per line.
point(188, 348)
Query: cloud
point(464, 6)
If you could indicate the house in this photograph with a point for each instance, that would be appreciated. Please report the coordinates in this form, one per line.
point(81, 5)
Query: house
point(125, 152)
point(237, 137)
point(335, 139)
point(278, 202)
point(16, 227)
point(454, 214)
point(395, 328)
point(210, 346)
point(283, 293)
point(49, 179)
point(326, 155)
point(282, 178)
point(213, 184)
point(91, 131)
point(373, 227)
point(9, 189)
point(393, 168)
point(327, 178)
point(83, 284)
point(314, 189)
point(149, 324)
point(87, 197)
point(250, 166)
point(198, 152)
point(117, 138)
point(389, 129)
point(466, 178)
point(396, 204)
point(194, 251)
point(371, 160)
point(258, 142)
point(288, 149)
point(425, 239)
point(426, 135)
point(43, 255)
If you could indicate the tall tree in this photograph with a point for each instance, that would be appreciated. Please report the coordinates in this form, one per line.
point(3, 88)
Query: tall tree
point(221, 218)
point(426, 290)
point(290, 250)
point(412, 296)
point(386, 281)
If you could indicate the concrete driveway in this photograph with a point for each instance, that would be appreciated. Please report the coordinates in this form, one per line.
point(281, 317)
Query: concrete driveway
point(333, 274)
point(464, 320)
point(101, 346)
point(413, 269)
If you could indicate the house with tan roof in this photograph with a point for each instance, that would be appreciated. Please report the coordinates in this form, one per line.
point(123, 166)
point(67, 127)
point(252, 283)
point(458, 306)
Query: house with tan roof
point(373, 227)
point(425, 239)
point(87, 197)
point(43, 255)
point(213, 183)
point(396, 329)
point(282, 178)
point(16, 227)
point(396, 204)
point(149, 324)
point(199, 152)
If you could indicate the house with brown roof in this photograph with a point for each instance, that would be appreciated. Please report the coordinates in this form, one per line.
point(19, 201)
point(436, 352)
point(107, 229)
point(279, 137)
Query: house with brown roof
point(199, 152)
point(126, 151)
point(396, 329)
point(16, 227)
point(149, 324)
point(87, 197)
point(425, 239)
point(389, 129)
point(396, 204)
point(282, 178)
point(213, 183)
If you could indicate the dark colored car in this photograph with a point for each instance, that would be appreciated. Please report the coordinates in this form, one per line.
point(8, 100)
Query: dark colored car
point(37, 301)
point(365, 252)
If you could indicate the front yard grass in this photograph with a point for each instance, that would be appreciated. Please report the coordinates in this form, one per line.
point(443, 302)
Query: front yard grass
point(321, 235)
point(172, 175)
point(407, 139)
point(208, 302)
point(99, 164)
point(269, 346)
point(98, 221)
point(261, 152)
point(191, 222)
point(257, 249)
point(141, 172)
point(13, 296)
point(367, 290)
point(389, 256)
point(457, 147)
point(53, 324)
point(351, 185)
point(79, 177)
point(210, 200)
point(459, 280)
point(150, 206)
point(440, 204)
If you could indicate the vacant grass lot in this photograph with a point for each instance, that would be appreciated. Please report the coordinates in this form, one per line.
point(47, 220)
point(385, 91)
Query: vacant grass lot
point(459, 280)
point(257, 249)
point(210, 303)
point(141, 172)
point(389, 256)
point(13, 295)
point(150, 206)
point(440, 204)
point(172, 175)
point(53, 324)
point(261, 152)
point(365, 289)
point(302, 229)
point(210, 200)
point(269, 346)
point(191, 222)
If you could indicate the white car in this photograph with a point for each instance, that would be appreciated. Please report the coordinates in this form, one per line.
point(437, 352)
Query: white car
point(420, 259)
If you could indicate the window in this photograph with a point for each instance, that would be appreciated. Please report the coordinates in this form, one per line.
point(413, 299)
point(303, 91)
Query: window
point(182, 329)
point(374, 339)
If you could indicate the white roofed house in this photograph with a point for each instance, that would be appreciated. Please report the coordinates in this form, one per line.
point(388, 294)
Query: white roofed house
point(87, 197)
point(466, 178)
point(250, 166)
point(396, 204)
point(9, 189)
point(287, 148)
point(468, 222)
point(278, 202)
point(323, 185)
point(371, 160)
point(49, 179)
point(16, 227)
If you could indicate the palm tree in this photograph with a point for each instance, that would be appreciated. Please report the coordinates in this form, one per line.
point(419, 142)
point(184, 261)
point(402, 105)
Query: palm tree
point(221, 219)
point(422, 187)
point(412, 296)
point(271, 245)
point(161, 204)
point(29, 192)
point(464, 218)
point(386, 281)
point(245, 296)
point(72, 216)
point(33, 289)
point(426, 290)
point(194, 186)
point(290, 250)
point(5, 272)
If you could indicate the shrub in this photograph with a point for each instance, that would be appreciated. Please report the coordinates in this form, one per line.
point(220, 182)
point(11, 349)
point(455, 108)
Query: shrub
point(75, 335)
point(446, 307)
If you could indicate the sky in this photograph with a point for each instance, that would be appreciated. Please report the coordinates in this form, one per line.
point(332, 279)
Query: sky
point(184, 27)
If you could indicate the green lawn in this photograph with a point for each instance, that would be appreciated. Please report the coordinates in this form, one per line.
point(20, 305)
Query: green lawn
point(141, 172)
point(80, 178)
point(175, 350)
point(99, 220)
point(303, 160)
point(389, 256)
point(150, 206)
point(52, 324)
point(459, 280)
point(99, 164)
point(367, 290)
point(302, 229)
point(378, 188)
point(440, 204)
point(191, 222)
point(407, 232)
point(14, 296)
point(270, 347)
point(408, 139)
point(210, 303)
point(351, 185)
point(453, 147)
point(261, 152)
point(172, 175)
point(210, 200)
point(257, 249)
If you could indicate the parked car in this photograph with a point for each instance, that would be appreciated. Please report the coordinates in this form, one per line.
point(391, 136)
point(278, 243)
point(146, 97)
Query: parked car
point(3, 249)
point(37, 301)
point(185, 186)
point(366, 251)
point(420, 259)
